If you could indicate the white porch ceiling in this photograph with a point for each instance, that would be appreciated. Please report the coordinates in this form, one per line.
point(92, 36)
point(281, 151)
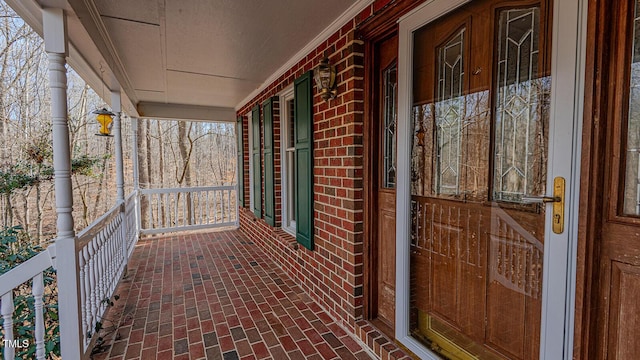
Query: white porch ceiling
point(191, 57)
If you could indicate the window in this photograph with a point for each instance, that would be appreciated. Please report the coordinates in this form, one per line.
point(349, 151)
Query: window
point(269, 163)
point(240, 161)
point(296, 119)
point(390, 98)
point(449, 112)
point(522, 108)
point(255, 183)
point(250, 139)
point(287, 154)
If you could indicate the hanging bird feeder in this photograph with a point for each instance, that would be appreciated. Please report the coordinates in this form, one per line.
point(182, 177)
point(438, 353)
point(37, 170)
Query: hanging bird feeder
point(104, 117)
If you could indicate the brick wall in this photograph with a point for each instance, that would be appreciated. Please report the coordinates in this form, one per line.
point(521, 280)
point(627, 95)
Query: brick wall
point(332, 274)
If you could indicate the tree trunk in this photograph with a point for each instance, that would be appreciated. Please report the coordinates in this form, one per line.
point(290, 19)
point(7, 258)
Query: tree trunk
point(25, 209)
point(8, 219)
point(184, 137)
point(101, 183)
point(143, 174)
point(38, 211)
point(161, 168)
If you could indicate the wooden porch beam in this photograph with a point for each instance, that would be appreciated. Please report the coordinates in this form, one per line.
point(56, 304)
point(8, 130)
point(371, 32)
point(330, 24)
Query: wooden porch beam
point(153, 110)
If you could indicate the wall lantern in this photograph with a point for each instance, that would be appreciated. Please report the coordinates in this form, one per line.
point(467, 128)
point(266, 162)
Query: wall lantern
point(325, 76)
point(104, 118)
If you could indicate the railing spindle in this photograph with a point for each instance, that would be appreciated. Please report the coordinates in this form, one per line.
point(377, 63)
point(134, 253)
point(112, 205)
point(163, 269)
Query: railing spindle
point(92, 286)
point(215, 206)
point(208, 209)
point(200, 207)
point(223, 212)
point(192, 208)
point(38, 293)
point(7, 309)
point(183, 197)
point(175, 214)
point(149, 200)
point(229, 193)
point(86, 291)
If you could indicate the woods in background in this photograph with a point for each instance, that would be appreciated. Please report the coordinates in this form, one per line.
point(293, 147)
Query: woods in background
point(170, 153)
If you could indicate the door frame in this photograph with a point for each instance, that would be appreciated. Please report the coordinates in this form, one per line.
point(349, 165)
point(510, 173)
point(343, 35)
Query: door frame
point(373, 31)
point(567, 102)
point(372, 171)
point(601, 45)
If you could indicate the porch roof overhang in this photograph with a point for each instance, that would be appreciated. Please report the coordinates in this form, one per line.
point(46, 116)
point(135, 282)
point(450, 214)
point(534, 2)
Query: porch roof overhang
point(190, 60)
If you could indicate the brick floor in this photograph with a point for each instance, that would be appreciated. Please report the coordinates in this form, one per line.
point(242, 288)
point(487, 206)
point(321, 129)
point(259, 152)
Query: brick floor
point(215, 296)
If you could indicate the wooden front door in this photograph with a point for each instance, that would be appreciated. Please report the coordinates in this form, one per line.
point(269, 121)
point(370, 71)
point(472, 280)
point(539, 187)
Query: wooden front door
point(614, 198)
point(385, 92)
point(480, 122)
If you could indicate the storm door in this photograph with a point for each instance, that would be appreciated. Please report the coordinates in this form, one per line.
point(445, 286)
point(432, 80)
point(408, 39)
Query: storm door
point(482, 199)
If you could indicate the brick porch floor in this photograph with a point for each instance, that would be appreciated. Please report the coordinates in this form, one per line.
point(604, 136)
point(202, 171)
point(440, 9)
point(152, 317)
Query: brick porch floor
point(216, 296)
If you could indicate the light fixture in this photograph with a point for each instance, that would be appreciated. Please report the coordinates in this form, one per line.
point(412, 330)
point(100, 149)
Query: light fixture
point(104, 118)
point(325, 76)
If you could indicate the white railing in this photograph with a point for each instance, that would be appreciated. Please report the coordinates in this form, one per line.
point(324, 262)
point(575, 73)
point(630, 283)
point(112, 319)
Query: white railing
point(31, 270)
point(169, 210)
point(132, 219)
point(103, 250)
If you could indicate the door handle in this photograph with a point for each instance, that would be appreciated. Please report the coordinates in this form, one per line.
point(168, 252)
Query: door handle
point(558, 203)
point(540, 199)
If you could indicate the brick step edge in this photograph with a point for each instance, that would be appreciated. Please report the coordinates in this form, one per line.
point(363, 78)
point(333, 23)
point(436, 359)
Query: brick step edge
point(378, 343)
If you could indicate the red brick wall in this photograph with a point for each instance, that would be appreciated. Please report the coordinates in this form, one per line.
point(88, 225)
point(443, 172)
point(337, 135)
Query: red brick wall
point(332, 274)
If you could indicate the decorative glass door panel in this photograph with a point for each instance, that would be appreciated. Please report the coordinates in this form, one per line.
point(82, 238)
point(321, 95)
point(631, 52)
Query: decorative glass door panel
point(631, 204)
point(480, 141)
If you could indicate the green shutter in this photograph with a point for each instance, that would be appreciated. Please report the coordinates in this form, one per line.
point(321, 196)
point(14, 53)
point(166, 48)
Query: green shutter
point(303, 134)
point(269, 183)
point(240, 161)
point(257, 168)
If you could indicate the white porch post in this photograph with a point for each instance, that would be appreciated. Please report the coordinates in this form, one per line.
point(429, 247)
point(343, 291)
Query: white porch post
point(55, 39)
point(117, 133)
point(136, 171)
point(134, 141)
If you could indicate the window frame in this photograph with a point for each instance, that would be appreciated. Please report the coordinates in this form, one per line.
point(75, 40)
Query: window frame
point(250, 143)
point(287, 168)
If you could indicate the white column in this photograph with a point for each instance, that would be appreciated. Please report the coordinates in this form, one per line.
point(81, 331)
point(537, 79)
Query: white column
point(117, 133)
point(134, 142)
point(136, 171)
point(55, 39)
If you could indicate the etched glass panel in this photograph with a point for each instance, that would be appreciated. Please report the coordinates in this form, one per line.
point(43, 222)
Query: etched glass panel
point(632, 176)
point(449, 111)
point(390, 119)
point(522, 104)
